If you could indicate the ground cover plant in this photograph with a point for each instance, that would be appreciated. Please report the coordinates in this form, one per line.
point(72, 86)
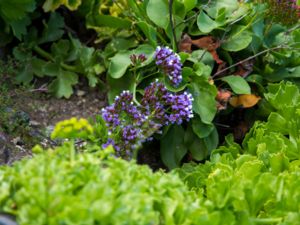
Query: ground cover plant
point(208, 90)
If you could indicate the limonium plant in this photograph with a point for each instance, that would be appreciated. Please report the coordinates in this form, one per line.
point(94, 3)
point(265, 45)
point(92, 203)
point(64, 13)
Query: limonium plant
point(130, 123)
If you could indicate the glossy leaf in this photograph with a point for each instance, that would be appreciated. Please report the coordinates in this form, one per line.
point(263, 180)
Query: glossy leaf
point(238, 84)
point(239, 38)
point(204, 103)
point(172, 149)
point(158, 12)
point(121, 61)
point(205, 23)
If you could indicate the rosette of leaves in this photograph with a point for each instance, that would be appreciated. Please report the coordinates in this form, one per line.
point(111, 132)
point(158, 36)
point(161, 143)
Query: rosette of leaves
point(64, 62)
point(93, 189)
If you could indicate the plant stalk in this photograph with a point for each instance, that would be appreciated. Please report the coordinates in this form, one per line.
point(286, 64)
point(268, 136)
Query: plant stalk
point(49, 57)
point(174, 43)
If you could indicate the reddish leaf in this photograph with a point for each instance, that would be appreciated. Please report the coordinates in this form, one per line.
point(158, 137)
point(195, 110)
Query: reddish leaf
point(210, 44)
point(185, 44)
point(222, 98)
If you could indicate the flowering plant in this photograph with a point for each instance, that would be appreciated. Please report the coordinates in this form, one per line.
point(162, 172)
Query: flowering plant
point(130, 123)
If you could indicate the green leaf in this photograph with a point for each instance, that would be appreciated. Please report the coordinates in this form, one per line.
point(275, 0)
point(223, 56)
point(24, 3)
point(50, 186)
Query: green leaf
point(121, 61)
point(38, 66)
point(201, 129)
point(189, 4)
point(119, 64)
point(53, 29)
point(19, 27)
point(149, 31)
point(62, 85)
point(205, 23)
point(51, 69)
point(198, 149)
point(204, 103)
point(238, 84)
point(279, 162)
point(24, 75)
point(158, 12)
point(172, 149)
point(14, 10)
point(238, 39)
point(116, 86)
point(97, 20)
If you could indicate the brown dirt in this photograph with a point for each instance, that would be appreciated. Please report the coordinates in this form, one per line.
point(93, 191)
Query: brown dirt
point(44, 112)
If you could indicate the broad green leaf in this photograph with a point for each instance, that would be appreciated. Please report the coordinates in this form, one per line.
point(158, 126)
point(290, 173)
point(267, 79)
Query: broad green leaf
point(205, 23)
point(204, 103)
point(53, 29)
point(212, 140)
point(38, 66)
point(116, 86)
point(158, 12)
point(202, 70)
point(51, 5)
point(99, 20)
point(24, 75)
point(189, 4)
point(279, 162)
point(121, 61)
point(172, 149)
point(19, 27)
point(239, 38)
point(231, 7)
point(62, 85)
point(149, 31)
point(201, 129)
point(60, 49)
point(119, 64)
point(14, 10)
point(282, 95)
point(238, 84)
point(198, 149)
point(51, 69)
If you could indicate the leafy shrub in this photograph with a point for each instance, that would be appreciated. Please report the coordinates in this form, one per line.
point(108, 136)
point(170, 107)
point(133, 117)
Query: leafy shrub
point(256, 184)
point(52, 188)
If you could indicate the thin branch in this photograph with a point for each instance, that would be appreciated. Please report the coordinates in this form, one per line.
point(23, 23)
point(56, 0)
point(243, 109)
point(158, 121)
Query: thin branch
point(172, 25)
point(247, 59)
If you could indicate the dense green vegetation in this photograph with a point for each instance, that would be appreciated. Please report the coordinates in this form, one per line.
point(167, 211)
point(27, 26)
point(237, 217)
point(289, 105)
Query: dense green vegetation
point(213, 84)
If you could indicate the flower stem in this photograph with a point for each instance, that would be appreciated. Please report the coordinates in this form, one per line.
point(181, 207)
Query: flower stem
point(49, 57)
point(174, 42)
point(136, 82)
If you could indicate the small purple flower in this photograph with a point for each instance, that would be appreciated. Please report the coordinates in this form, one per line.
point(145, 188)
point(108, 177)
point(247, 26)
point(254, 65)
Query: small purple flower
point(130, 133)
point(180, 107)
point(170, 63)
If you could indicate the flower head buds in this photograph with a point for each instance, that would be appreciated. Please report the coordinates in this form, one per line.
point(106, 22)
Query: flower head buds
point(170, 64)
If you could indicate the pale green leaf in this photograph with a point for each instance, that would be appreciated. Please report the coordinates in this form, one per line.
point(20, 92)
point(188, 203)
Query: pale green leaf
point(238, 84)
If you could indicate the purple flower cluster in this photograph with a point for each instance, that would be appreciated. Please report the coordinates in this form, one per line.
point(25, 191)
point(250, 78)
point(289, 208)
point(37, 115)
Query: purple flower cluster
point(170, 64)
point(180, 107)
point(130, 125)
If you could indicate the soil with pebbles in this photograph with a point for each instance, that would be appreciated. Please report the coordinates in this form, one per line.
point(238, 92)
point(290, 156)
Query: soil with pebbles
point(43, 112)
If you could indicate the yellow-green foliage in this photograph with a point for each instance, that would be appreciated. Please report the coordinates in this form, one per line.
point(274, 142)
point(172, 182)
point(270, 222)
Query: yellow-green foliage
point(72, 128)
